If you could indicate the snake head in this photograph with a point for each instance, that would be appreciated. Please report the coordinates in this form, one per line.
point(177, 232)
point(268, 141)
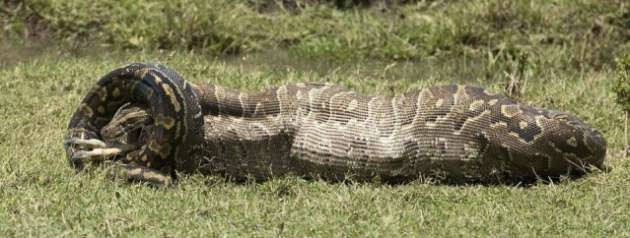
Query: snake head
point(130, 126)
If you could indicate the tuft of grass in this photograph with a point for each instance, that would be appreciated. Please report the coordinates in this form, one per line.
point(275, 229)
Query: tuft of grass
point(622, 83)
point(622, 90)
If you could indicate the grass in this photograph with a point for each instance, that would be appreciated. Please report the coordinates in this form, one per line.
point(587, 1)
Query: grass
point(560, 64)
point(585, 30)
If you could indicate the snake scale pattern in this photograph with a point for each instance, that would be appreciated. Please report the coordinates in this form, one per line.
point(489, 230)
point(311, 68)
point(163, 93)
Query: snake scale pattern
point(146, 122)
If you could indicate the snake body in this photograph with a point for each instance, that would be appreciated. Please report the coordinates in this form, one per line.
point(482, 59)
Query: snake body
point(455, 131)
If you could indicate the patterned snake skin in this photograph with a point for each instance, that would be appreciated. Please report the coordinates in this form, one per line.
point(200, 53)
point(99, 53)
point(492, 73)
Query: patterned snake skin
point(147, 122)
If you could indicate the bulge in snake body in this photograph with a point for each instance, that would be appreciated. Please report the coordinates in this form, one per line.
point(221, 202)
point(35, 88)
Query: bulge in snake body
point(327, 131)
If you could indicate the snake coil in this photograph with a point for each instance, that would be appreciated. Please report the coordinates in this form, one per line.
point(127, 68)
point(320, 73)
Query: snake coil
point(171, 102)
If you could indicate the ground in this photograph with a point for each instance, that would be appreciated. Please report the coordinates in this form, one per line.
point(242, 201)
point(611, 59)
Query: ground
point(560, 52)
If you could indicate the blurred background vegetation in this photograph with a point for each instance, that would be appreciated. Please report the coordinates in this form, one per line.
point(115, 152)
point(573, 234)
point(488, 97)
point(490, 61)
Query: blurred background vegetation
point(578, 34)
